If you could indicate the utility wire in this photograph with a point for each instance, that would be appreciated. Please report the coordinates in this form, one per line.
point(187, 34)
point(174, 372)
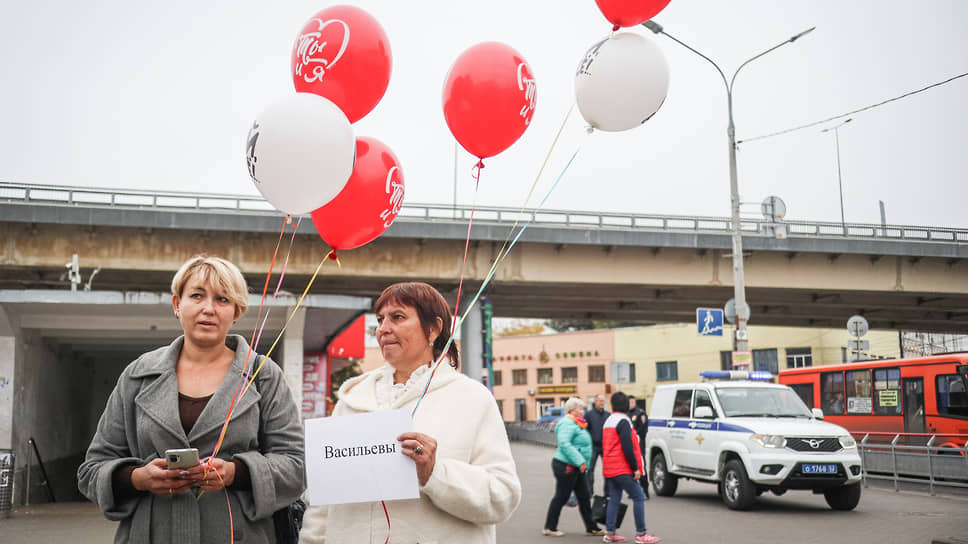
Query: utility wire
point(834, 118)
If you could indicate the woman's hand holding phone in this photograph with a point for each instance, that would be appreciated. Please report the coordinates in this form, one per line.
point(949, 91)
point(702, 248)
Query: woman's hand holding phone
point(155, 477)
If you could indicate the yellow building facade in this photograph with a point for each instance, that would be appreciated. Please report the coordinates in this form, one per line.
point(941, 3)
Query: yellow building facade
point(535, 372)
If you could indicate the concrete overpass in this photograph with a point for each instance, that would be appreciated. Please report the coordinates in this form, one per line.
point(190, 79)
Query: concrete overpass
point(567, 264)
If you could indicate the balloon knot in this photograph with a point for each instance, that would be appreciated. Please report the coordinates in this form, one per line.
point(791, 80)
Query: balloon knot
point(332, 255)
point(480, 163)
point(615, 28)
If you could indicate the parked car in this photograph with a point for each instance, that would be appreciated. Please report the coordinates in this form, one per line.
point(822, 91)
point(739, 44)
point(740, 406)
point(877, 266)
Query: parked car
point(553, 414)
point(748, 437)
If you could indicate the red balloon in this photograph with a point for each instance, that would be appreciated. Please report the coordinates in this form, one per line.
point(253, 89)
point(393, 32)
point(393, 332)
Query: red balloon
point(369, 202)
point(343, 54)
point(623, 13)
point(489, 98)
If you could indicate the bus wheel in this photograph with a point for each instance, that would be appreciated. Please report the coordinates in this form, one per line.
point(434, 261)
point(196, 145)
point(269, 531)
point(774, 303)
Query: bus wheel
point(665, 484)
point(843, 498)
point(738, 490)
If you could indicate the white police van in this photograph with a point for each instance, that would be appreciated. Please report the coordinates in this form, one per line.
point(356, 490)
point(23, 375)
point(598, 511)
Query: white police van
point(748, 437)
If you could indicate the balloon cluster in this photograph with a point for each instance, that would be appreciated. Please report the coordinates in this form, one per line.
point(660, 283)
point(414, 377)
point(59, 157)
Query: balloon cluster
point(302, 153)
point(623, 79)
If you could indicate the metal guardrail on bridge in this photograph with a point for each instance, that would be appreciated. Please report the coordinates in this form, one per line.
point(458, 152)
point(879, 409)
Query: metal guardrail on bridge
point(54, 195)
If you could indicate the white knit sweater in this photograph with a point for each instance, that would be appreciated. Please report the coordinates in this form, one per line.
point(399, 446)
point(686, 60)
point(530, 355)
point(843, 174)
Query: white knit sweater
point(474, 484)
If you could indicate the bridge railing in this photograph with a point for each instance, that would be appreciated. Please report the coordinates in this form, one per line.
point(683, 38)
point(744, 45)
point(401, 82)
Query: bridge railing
point(55, 195)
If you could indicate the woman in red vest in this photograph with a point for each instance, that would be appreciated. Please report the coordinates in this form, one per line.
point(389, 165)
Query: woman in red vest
point(622, 466)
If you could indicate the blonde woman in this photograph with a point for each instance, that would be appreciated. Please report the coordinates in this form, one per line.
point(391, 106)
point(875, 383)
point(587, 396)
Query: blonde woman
point(177, 397)
point(569, 464)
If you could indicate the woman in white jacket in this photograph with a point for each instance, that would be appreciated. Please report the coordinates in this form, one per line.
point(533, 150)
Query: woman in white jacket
point(468, 482)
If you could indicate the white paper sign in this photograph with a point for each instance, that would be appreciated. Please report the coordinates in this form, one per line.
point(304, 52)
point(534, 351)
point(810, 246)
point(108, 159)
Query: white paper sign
point(357, 458)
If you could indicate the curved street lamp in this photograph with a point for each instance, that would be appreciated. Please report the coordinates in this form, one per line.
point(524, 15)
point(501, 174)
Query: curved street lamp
point(741, 341)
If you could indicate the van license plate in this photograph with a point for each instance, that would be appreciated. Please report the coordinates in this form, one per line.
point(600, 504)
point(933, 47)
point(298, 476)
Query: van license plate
point(819, 469)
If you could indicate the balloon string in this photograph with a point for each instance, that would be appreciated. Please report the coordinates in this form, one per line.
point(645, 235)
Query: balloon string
point(487, 280)
point(285, 264)
point(256, 333)
point(291, 315)
point(476, 173)
point(387, 514)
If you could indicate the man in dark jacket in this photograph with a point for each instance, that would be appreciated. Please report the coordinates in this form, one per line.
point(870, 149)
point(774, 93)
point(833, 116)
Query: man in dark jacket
point(595, 416)
point(640, 423)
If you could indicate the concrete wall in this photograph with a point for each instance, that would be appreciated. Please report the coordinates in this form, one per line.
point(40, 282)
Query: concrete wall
point(52, 391)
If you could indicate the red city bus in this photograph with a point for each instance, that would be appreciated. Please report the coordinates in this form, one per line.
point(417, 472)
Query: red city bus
point(920, 395)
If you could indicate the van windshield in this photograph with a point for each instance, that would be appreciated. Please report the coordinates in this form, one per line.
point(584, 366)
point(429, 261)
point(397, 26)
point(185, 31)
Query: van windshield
point(761, 402)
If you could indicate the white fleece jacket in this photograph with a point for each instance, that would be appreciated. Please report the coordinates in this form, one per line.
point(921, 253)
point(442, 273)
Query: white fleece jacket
point(474, 485)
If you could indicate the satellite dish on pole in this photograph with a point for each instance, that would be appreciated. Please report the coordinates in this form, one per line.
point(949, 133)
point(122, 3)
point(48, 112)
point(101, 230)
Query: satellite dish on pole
point(857, 326)
point(730, 311)
point(773, 208)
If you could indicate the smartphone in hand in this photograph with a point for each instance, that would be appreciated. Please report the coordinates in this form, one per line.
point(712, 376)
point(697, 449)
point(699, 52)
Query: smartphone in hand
point(181, 458)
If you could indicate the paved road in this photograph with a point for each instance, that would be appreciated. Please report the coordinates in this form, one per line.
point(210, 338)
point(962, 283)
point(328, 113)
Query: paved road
point(694, 515)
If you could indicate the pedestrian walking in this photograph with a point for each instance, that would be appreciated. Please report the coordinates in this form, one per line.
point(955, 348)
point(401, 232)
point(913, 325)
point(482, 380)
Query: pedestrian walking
point(568, 466)
point(622, 466)
point(595, 416)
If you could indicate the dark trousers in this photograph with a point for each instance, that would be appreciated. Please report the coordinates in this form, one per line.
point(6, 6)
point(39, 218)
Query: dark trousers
point(644, 480)
point(590, 470)
point(567, 479)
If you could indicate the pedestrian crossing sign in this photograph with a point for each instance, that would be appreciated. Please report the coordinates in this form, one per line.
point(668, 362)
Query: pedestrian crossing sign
point(709, 321)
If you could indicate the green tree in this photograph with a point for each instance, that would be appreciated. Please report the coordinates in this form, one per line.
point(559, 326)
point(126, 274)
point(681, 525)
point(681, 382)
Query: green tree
point(340, 376)
point(571, 325)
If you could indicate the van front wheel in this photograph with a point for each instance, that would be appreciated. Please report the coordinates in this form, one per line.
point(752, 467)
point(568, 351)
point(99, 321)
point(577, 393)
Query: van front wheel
point(738, 491)
point(843, 498)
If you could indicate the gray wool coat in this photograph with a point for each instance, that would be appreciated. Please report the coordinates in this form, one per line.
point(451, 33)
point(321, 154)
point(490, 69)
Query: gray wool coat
point(141, 421)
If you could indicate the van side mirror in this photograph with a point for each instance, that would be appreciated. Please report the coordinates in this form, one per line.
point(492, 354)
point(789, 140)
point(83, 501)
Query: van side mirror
point(704, 412)
point(817, 413)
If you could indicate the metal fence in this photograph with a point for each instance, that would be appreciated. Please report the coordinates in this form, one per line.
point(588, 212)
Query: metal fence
point(54, 195)
point(902, 457)
point(536, 433)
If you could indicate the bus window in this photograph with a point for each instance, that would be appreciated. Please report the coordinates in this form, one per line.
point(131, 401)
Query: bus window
point(887, 391)
point(805, 392)
point(858, 390)
point(952, 398)
point(832, 392)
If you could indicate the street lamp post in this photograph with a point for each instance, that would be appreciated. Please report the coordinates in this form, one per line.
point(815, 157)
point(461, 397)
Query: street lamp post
point(741, 340)
point(840, 181)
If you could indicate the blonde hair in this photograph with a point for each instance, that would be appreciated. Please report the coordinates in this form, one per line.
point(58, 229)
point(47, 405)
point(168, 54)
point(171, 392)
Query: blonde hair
point(572, 403)
point(221, 274)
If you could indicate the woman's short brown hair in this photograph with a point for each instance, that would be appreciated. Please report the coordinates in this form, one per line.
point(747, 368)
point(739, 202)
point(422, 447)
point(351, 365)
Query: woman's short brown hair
point(221, 274)
point(430, 305)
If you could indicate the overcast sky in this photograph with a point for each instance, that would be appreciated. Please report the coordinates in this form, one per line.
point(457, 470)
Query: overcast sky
point(161, 95)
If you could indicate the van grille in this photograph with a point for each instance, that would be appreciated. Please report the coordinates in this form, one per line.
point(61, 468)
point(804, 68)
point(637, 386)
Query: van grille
point(807, 444)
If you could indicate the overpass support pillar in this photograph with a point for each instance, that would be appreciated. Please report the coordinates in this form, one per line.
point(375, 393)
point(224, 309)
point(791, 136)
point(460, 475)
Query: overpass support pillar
point(292, 353)
point(11, 348)
point(472, 344)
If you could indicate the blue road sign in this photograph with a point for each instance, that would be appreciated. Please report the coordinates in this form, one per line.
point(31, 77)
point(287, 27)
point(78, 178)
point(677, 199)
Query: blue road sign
point(709, 321)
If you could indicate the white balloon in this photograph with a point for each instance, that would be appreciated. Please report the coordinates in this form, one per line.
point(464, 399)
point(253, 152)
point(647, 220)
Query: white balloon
point(300, 153)
point(621, 82)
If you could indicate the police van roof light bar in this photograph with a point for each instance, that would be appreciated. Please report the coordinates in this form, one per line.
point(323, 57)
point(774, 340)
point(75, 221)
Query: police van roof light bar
point(752, 375)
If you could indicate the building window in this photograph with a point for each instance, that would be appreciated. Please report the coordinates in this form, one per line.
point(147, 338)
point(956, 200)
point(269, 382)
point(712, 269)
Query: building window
point(596, 374)
point(497, 377)
point(765, 359)
point(799, 357)
point(666, 371)
point(519, 376)
point(545, 376)
point(569, 374)
point(725, 360)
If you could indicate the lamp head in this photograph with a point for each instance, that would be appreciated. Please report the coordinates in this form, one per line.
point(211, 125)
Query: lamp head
point(800, 35)
point(653, 26)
